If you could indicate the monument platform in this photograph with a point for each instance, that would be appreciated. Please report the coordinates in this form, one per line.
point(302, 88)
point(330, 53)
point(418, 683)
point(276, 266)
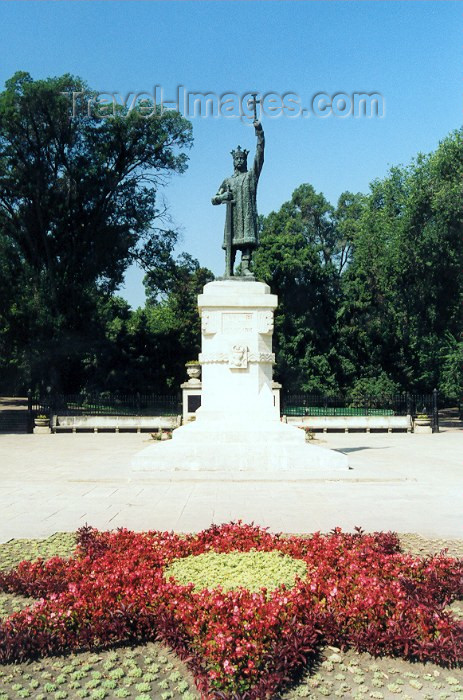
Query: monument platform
point(238, 428)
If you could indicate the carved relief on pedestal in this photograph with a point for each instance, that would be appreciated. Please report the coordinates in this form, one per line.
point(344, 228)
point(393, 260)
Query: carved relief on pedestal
point(238, 357)
point(209, 322)
point(265, 322)
point(213, 358)
point(264, 358)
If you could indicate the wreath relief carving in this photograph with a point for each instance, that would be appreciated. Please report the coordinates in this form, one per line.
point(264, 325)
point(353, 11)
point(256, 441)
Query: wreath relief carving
point(238, 357)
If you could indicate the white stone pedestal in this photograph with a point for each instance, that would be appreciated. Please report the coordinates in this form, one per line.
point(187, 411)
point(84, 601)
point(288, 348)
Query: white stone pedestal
point(41, 430)
point(237, 428)
point(237, 358)
point(422, 425)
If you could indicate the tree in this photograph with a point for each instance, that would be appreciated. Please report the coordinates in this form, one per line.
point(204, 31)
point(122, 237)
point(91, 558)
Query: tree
point(403, 292)
point(371, 292)
point(299, 258)
point(172, 303)
point(146, 350)
point(347, 218)
point(79, 196)
point(451, 375)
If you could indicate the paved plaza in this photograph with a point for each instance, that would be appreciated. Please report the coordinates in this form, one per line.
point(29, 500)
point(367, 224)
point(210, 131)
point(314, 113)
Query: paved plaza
point(407, 483)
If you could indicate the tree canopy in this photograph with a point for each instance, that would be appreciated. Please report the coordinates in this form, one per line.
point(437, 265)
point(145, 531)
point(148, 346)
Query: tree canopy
point(370, 290)
point(146, 350)
point(403, 291)
point(79, 200)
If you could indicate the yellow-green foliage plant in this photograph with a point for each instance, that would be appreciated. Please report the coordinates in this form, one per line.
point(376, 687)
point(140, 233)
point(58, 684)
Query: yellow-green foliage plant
point(252, 570)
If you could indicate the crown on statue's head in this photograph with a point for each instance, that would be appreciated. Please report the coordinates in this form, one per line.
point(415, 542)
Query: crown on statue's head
point(239, 152)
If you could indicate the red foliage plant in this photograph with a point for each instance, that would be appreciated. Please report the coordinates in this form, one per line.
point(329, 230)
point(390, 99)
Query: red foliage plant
point(360, 591)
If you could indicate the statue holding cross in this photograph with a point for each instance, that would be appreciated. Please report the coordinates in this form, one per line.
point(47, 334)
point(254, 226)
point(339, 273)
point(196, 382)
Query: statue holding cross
point(238, 192)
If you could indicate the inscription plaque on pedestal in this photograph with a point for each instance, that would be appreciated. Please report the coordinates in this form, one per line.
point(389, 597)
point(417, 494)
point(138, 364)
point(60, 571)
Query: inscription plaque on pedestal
point(235, 321)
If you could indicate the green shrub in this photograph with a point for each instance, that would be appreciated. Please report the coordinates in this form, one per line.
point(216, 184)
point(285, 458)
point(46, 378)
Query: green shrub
point(252, 570)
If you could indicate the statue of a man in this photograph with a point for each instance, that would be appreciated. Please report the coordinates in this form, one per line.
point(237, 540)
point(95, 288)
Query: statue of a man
point(239, 193)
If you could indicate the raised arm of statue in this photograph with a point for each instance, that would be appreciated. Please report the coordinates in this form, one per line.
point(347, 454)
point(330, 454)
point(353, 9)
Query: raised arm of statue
point(259, 157)
point(223, 195)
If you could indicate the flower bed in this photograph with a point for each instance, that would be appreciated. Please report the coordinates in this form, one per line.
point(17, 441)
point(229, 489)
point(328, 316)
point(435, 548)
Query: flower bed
point(359, 591)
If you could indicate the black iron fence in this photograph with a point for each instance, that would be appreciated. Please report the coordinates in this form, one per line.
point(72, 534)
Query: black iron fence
point(387, 405)
point(115, 404)
point(103, 404)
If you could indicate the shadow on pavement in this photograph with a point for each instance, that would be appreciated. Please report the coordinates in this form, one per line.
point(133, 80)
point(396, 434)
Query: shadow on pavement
point(359, 449)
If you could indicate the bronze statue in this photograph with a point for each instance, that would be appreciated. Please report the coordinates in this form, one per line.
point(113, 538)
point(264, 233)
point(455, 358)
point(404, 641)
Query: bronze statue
point(238, 192)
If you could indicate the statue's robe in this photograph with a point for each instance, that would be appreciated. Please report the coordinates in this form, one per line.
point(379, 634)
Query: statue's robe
point(244, 210)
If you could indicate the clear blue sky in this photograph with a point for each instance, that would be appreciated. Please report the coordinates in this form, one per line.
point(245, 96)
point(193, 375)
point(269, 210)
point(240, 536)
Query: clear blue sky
point(410, 52)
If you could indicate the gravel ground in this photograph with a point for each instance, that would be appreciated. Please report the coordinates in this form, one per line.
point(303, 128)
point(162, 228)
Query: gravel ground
point(152, 672)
